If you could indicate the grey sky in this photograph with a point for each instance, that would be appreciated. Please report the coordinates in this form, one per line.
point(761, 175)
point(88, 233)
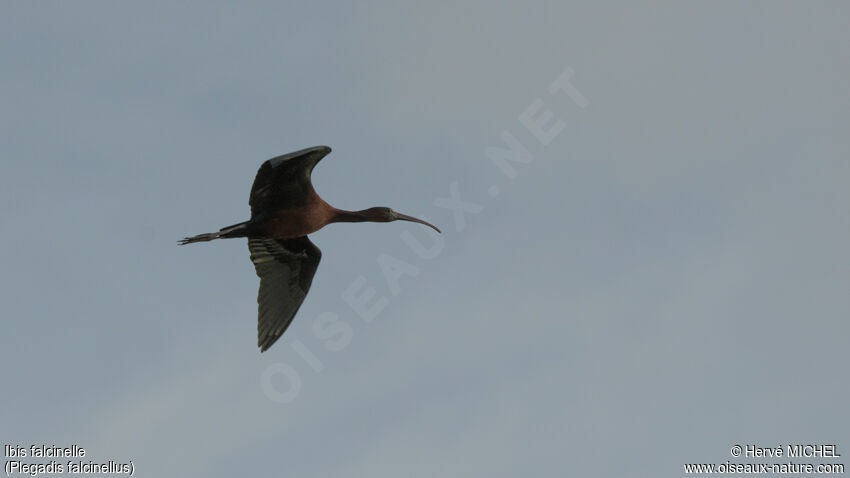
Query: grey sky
point(667, 278)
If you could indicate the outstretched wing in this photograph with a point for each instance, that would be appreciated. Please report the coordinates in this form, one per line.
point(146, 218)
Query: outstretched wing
point(286, 268)
point(284, 182)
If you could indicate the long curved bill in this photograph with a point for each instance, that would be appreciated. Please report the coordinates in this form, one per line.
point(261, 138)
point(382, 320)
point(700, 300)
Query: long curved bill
point(405, 217)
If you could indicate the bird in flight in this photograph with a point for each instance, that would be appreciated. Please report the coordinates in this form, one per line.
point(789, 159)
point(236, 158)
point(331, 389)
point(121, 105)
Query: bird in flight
point(284, 209)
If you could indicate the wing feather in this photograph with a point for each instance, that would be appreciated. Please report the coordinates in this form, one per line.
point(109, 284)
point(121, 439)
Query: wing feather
point(284, 182)
point(286, 268)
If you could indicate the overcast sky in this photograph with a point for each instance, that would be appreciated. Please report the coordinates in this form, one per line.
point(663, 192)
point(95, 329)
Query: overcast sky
point(664, 277)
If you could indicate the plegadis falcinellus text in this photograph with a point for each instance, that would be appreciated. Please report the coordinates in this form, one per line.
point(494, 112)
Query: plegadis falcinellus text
point(284, 209)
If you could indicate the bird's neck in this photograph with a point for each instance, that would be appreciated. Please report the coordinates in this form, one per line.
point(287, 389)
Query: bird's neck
point(341, 215)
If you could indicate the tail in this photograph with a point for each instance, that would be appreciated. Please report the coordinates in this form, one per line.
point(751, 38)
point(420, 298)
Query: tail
point(236, 230)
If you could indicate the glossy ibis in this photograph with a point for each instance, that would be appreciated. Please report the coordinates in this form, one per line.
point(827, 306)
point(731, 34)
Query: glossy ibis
point(284, 209)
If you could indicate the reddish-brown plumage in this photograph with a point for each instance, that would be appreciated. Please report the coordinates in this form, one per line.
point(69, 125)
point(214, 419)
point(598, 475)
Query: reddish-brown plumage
point(313, 215)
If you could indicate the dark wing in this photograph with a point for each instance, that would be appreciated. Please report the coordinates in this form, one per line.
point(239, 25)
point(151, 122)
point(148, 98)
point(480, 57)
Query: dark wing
point(286, 268)
point(284, 182)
